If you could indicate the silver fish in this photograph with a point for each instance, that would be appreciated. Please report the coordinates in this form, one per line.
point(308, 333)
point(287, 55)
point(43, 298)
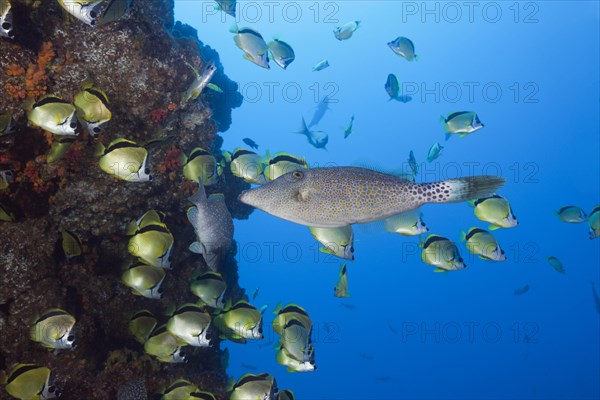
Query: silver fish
point(202, 79)
point(252, 43)
point(340, 196)
point(322, 108)
point(213, 226)
point(317, 139)
point(321, 65)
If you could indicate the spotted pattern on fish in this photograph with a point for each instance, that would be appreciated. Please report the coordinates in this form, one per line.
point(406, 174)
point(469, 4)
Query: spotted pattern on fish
point(339, 196)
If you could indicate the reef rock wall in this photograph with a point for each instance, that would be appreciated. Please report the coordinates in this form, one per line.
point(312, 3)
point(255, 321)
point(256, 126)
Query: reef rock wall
point(140, 61)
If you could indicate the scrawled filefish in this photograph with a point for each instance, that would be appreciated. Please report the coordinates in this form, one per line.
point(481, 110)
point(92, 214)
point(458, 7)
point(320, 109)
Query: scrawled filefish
point(340, 196)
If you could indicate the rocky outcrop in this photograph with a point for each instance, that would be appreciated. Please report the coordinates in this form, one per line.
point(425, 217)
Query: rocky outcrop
point(140, 61)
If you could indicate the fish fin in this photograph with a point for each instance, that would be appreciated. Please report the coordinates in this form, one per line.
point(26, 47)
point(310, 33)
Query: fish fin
point(264, 308)
point(472, 202)
point(326, 250)
point(194, 70)
point(267, 157)
point(462, 135)
point(442, 119)
point(277, 309)
point(99, 150)
point(439, 270)
point(467, 188)
point(170, 310)
point(463, 236)
point(493, 227)
point(421, 242)
point(226, 156)
point(234, 28)
point(132, 228)
point(302, 195)
point(183, 159)
point(214, 87)
point(197, 248)
point(416, 57)
point(448, 136)
point(192, 213)
point(248, 57)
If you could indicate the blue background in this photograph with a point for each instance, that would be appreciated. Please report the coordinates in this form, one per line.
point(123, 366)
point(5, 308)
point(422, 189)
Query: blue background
point(455, 335)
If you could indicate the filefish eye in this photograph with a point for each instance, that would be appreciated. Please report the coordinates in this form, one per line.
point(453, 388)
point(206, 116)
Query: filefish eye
point(298, 175)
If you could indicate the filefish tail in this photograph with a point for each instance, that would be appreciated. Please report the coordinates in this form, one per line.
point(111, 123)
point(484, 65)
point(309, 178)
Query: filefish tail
point(460, 189)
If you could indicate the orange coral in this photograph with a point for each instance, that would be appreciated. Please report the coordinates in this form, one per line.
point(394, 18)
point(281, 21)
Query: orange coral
point(16, 92)
point(36, 78)
point(45, 55)
point(36, 81)
point(15, 70)
point(172, 107)
point(32, 173)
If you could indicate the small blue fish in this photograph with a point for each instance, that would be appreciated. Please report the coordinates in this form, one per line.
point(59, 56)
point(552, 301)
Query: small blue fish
point(321, 65)
point(250, 143)
point(434, 152)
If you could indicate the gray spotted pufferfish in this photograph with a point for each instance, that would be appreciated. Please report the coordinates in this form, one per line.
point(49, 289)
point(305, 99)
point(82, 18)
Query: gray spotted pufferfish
point(340, 196)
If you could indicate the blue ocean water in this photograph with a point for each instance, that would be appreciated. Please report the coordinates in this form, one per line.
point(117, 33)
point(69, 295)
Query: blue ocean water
point(531, 72)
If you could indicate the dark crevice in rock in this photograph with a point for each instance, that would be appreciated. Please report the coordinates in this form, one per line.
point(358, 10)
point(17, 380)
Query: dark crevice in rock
point(5, 307)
